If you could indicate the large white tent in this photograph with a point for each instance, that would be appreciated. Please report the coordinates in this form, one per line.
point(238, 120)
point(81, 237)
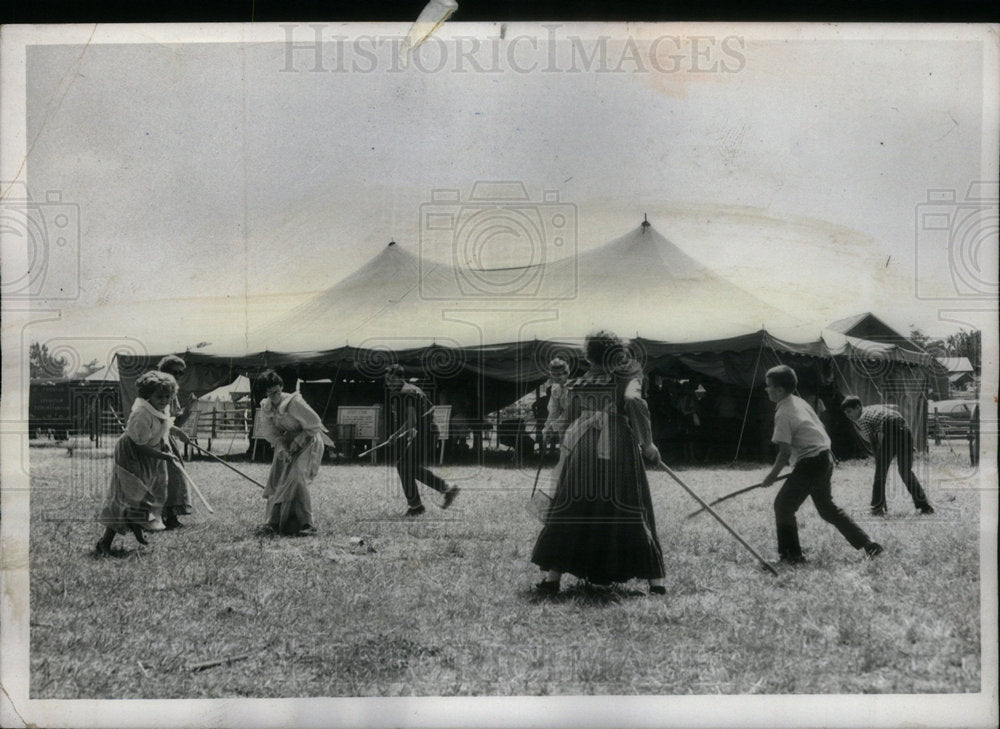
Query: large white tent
point(640, 284)
point(485, 335)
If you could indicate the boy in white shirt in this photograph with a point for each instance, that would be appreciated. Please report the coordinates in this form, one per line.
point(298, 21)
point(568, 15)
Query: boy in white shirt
point(803, 442)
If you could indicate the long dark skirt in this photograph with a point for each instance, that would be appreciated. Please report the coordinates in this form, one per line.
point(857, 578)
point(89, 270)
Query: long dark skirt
point(600, 526)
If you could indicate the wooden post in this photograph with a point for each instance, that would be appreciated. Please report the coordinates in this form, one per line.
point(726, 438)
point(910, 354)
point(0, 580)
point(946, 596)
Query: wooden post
point(97, 422)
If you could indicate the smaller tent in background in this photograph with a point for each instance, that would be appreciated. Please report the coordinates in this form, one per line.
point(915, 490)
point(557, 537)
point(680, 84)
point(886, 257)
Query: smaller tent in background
point(955, 375)
point(105, 374)
point(870, 327)
point(223, 413)
point(237, 391)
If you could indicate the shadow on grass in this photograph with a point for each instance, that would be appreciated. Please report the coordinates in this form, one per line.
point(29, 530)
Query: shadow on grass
point(586, 594)
point(116, 553)
point(266, 532)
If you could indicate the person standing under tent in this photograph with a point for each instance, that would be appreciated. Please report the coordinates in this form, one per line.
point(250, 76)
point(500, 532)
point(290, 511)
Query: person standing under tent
point(179, 486)
point(539, 411)
point(298, 437)
point(691, 413)
point(555, 421)
point(888, 436)
point(666, 419)
point(138, 485)
point(411, 421)
point(600, 525)
point(803, 442)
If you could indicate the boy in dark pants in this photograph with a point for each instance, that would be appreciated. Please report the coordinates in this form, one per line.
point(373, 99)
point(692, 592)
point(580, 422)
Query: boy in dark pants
point(802, 440)
point(411, 411)
point(887, 436)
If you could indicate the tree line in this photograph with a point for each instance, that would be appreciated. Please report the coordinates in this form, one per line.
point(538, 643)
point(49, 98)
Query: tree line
point(961, 344)
point(45, 366)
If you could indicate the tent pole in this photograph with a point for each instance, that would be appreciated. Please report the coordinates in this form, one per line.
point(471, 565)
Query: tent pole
point(746, 410)
point(333, 386)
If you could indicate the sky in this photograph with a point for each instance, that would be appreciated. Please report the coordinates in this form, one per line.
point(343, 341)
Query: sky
point(218, 184)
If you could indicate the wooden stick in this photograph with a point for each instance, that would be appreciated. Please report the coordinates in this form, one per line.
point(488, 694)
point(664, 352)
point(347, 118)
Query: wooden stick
point(218, 662)
point(201, 495)
point(231, 468)
point(541, 460)
point(402, 429)
point(180, 464)
point(194, 486)
point(736, 493)
point(383, 444)
point(764, 563)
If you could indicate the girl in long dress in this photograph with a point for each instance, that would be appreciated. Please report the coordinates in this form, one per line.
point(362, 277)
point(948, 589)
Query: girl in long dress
point(298, 437)
point(600, 525)
point(138, 486)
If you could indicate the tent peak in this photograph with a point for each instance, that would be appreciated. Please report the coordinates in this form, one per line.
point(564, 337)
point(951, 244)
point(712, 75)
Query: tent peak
point(645, 222)
point(391, 243)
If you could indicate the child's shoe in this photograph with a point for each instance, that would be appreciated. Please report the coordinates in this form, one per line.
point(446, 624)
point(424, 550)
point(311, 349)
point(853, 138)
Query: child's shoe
point(547, 587)
point(873, 550)
point(449, 496)
point(155, 524)
point(103, 548)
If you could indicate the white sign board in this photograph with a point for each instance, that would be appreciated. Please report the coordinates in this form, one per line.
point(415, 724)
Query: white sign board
point(442, 418)
point(366, 419)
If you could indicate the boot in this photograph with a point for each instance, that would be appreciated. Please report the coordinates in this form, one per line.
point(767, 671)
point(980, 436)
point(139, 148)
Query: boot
point(104, 545)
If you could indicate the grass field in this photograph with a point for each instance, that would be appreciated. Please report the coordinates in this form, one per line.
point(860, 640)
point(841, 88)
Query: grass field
point(442, 606)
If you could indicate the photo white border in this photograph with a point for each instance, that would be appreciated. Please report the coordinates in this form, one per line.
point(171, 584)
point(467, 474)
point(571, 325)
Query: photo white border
point(17, 709)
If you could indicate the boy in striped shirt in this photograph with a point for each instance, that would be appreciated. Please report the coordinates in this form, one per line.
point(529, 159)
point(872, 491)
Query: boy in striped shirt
point(887, 436)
